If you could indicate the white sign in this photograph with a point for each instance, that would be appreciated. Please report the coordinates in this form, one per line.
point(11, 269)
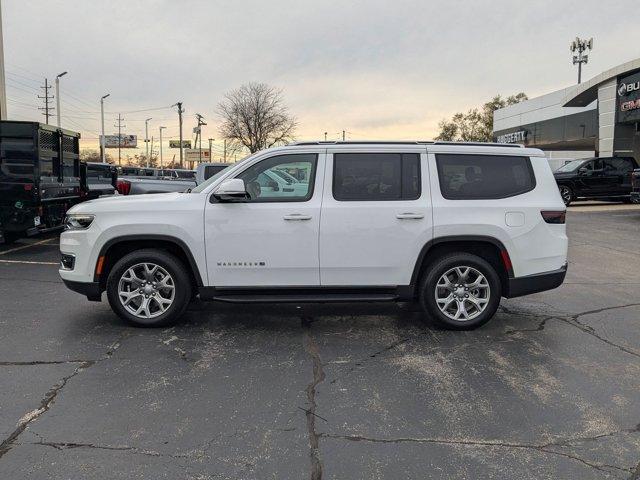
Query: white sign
point(193, 155)
point(126, 141)
point(513, 137)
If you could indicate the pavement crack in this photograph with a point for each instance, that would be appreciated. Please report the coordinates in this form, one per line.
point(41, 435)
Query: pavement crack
point(539, 328)
point(544, 448)
point(574, 321)
point(44, 362)
point(50, 397)
point(45, 405)
point(312, 349)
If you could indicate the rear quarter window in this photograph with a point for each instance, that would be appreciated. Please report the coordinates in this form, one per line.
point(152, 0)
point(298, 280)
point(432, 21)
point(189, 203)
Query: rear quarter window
point(482, 177)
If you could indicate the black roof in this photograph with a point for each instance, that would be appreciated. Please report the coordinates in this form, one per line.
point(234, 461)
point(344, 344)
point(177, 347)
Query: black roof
point(397, 142)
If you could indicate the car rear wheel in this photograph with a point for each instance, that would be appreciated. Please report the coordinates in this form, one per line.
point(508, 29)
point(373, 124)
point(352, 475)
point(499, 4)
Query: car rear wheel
point(149, 288)
point(567, 194)
point(461, 291)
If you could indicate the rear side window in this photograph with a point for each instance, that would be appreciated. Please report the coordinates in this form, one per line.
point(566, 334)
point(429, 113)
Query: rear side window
point(476, 177)
point(376, 176)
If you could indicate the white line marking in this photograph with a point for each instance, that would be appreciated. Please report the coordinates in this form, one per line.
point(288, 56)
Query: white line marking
point(29, 262)
point(26, 246)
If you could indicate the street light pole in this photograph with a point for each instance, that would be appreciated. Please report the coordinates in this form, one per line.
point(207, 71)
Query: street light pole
point(102, 142)
point(180, 112)
point(146, 139)
point(58, 95)
point(161, 128)
point(210, 153)
point(3, 92)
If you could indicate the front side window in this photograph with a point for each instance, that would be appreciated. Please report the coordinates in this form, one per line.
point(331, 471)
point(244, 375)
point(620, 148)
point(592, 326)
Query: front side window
point(475, 177)
point(376, 176)
point(265, 185)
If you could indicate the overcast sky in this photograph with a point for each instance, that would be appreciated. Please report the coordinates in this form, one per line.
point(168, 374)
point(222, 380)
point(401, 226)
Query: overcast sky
point(378, 69)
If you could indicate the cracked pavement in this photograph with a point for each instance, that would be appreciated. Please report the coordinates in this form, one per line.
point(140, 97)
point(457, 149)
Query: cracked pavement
point(547, 390)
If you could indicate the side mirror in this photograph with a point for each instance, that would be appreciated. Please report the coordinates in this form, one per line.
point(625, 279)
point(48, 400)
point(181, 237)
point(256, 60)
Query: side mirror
point(231, 190)
point(583, 171)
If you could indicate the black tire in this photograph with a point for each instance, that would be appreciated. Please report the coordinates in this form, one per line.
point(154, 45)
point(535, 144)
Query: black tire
point(438, 268)
point(567, 194)
point(10, 237)
point(181, 283)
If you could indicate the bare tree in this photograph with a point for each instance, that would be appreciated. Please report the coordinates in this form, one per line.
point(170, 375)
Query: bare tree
point(255, 116)
point(477, 124)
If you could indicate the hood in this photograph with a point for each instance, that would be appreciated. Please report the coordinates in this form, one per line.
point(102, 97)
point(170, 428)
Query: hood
point(564, 175)
point(134, 203)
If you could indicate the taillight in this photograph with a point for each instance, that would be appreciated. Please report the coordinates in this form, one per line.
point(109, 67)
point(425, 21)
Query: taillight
point(554, 216)
point(123, 187)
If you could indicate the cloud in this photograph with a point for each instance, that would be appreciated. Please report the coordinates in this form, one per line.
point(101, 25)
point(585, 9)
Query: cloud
point(380, 69)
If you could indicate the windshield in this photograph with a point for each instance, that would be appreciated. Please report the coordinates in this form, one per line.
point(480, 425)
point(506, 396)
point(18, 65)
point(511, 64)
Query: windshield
point(572, 166)
point(210, 180)
point(285, 176)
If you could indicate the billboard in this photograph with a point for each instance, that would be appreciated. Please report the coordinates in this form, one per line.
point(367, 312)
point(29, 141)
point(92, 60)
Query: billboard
point(193, 155)
point(176, 144)
point(126, 141)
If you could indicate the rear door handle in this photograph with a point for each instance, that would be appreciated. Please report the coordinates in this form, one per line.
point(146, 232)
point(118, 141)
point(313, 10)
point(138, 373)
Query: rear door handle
point(297, 216)
point(409, 216)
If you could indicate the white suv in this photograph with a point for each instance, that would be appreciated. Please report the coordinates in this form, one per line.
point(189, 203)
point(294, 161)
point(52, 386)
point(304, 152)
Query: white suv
point(455, 226)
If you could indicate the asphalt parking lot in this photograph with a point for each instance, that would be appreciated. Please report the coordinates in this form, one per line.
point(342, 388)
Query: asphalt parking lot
point(549, 389)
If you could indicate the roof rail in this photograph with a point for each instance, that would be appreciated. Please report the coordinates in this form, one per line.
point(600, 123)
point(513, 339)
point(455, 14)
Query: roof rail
point(405, 142)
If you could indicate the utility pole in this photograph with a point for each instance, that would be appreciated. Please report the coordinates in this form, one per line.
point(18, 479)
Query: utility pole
point(225, 150)
point(119, 125)
point(3, 91)
point(580, 46)
point(151, 151)
point(198, 130)
point(146, 138)
point(161, 128)
point(180, 112)
point(46, 99)
point(102, 140)
point(210, 152)
point(58, 95)
point(343, 132)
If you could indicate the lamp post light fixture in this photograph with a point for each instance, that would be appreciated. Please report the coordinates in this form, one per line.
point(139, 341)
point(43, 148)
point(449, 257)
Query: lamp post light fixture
point(579, 45)
point(102, 143)
point(58, 95)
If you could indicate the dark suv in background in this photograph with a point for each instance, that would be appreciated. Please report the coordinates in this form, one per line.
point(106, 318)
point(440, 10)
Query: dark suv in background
point(592, 178)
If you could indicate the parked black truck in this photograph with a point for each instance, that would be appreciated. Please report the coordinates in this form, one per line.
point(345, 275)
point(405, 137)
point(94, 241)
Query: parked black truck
point(97, 179)
point(39, 177)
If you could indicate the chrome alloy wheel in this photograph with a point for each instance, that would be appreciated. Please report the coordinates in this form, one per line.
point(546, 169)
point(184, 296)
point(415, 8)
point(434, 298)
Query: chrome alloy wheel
point(146, 290)
point(462, 293)
point(565, 193)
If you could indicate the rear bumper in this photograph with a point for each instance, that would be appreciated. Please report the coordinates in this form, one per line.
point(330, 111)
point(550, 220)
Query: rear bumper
point(539, 282)
point(91, 290)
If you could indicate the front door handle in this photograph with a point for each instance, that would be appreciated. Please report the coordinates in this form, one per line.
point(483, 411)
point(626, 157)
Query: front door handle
point(297, 216)
point(410, 216)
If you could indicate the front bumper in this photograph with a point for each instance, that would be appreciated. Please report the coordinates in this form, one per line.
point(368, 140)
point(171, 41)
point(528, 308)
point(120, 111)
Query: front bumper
point(91, 290)
point(539, 282)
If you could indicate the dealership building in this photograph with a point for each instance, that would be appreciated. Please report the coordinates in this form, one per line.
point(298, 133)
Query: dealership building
point(599, 117)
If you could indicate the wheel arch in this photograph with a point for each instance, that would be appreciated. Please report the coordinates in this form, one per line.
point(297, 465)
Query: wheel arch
point(489, 248)
point(116, 248)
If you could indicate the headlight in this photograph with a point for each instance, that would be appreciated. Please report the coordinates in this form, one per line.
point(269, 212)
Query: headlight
point(78, 221)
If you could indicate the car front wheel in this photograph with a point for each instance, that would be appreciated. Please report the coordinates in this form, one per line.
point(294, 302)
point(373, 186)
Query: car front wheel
point(149, 288)
point(461, 291)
